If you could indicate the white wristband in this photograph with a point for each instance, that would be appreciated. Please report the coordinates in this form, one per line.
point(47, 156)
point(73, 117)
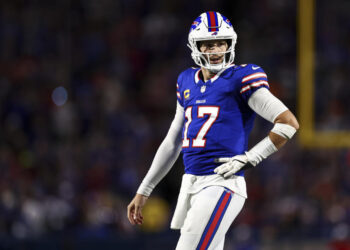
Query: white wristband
point(284, 130)
point(261, 151)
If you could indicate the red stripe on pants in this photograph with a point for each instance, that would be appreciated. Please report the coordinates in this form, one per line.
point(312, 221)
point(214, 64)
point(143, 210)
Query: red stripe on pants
point(215, 221)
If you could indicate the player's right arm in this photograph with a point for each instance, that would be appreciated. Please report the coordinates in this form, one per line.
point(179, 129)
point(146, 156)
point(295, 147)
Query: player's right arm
point(164, 159)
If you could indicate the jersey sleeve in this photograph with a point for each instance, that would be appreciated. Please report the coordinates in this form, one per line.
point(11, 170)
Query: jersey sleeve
point(178, 90)
point(252, 79)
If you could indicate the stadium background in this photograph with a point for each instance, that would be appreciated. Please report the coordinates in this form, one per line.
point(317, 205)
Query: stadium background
point(87, 93)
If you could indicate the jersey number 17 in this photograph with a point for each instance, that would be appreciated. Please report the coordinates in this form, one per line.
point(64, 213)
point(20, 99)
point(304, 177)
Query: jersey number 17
point(199, 141)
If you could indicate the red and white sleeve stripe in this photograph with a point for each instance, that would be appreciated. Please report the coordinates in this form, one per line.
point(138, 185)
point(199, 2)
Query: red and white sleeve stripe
point(254, 85)
point(255, 80)
point(177, 92)
point(254, 76)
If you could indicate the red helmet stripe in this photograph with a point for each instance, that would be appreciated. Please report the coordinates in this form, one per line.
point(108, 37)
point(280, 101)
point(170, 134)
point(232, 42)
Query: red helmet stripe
point(212, 21)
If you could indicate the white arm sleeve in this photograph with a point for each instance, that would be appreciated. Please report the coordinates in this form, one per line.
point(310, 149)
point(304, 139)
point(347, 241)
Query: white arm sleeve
point(265, 104)
point(166, 155)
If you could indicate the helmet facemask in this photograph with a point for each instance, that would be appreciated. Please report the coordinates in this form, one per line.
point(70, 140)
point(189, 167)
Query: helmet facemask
point(202, 58)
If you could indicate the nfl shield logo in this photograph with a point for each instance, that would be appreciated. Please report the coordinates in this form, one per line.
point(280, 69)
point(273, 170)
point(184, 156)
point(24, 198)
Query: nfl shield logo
point(203, 89)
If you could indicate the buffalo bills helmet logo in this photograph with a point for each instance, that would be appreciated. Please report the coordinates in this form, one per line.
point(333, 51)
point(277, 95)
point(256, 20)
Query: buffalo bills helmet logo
point(196, 23)
point(226, 20)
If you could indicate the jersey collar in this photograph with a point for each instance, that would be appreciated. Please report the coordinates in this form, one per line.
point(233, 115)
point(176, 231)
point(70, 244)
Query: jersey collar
point(196, 75)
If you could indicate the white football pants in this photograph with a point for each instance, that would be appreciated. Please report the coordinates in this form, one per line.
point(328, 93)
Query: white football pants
point(212, 212)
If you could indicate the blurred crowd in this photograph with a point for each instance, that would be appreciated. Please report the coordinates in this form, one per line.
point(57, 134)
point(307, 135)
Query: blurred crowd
point(87, 92)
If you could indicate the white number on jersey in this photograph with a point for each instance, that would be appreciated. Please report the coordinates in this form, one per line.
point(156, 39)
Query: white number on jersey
point(200, 141)
point(188, 115)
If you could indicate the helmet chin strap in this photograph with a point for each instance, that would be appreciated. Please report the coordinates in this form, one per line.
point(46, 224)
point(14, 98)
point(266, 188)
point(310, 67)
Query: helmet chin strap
point(214, 68)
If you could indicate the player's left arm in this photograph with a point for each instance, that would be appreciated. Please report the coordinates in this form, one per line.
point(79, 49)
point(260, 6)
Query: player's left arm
point(264, 103)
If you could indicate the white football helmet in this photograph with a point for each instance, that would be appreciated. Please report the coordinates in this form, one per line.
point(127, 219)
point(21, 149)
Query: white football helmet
point(212, 25)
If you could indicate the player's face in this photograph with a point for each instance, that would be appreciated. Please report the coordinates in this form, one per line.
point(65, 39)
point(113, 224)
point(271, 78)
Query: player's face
point(216, 47)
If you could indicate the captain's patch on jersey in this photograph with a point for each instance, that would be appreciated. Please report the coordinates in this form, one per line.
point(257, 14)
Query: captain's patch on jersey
point(187, 93)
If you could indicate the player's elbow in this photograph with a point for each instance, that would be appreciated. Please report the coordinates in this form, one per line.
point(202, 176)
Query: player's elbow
point(294, 123)
point(172, 145)
point(287, 117)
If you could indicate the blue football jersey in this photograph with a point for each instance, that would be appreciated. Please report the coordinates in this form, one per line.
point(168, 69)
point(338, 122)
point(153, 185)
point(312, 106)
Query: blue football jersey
point(218, 119)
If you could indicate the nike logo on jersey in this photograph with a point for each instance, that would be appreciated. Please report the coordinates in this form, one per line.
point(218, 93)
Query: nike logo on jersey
point(255, 68)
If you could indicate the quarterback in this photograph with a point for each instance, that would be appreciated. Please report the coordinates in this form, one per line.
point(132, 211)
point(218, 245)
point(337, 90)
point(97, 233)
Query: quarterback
point(216, 107)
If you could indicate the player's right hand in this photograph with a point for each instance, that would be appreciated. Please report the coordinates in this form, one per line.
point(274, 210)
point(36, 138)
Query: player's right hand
point(135, 209)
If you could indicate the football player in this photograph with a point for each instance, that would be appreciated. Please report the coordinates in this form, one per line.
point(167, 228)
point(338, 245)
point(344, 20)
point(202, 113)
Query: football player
point(216, 107)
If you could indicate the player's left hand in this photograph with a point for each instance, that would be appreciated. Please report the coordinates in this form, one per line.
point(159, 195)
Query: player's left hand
point(231, 165)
